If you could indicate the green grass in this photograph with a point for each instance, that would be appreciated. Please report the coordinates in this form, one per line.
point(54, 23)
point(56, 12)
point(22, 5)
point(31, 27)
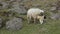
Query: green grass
point(49, 27)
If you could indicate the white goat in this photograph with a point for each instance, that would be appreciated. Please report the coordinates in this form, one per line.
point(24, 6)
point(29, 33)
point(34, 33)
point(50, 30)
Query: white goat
point(35, 14)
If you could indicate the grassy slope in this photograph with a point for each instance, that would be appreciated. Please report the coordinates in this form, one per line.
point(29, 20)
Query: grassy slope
point(50, 27)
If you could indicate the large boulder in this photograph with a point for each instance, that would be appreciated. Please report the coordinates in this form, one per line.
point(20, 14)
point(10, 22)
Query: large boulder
point(14, 24)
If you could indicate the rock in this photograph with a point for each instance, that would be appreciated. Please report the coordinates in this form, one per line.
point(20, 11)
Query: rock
point(53, 8)
point(55, 16)
point(19, 0)
point(36, 5)
point(15, 0)
point(12, 0)
point(26, 0)
point(17, 8)
point(3, 5)
point(58, 5)
point(14, 24)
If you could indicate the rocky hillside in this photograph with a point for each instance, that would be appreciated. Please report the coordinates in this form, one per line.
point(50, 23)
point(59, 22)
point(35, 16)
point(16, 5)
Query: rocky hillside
point(13, 12)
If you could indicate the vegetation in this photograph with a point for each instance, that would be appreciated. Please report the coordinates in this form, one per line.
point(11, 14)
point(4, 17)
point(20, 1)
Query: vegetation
point(48, 27)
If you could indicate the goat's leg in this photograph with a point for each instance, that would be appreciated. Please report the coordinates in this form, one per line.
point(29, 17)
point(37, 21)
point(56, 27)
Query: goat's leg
point(29, 19)
point(34, 20)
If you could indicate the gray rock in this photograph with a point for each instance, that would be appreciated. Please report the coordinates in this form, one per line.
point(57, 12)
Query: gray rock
point(14, 24)
point(15, 4)
point(3, 5)
point(19, 0)
point(14, 0)
point(53, 8)
point(58, 5)
point(36, 5)
point(55, 16)
point(17, 8)
point(26, 0)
